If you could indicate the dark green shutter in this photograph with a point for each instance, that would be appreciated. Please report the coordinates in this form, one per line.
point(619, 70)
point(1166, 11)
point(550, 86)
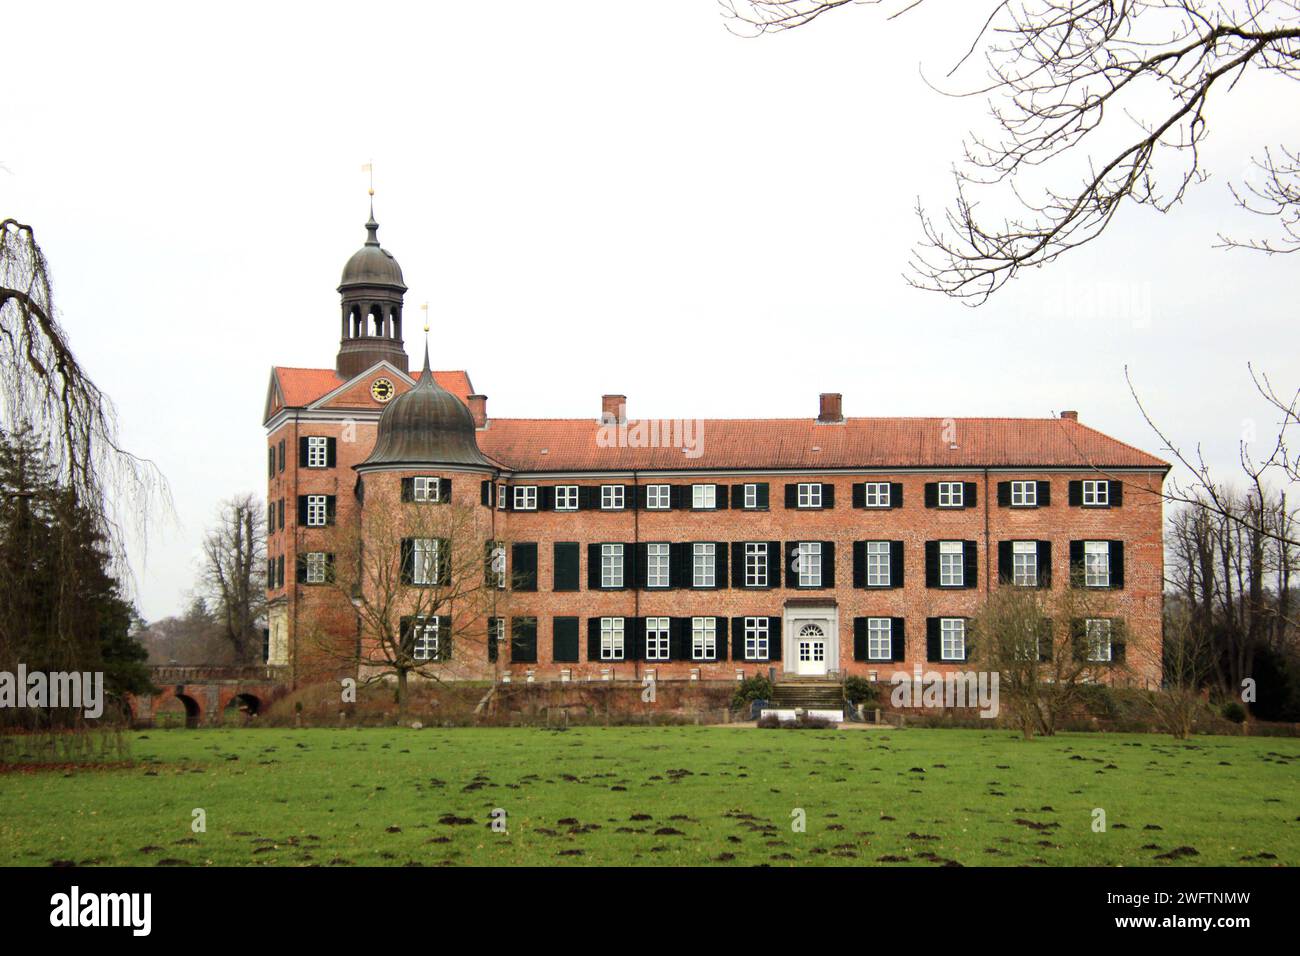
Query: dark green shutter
point(895, 564)
point(1006, 563)
point(300, 568)
point(523, 640)
point(1004, 494)
point(859, 638)
point(1076, 564)
point(969, 494)
point(444, 637)
point(720, 623)
point(679, 638)
point(565, 647)
point(1117, 565)
point(933, 641)
point(932, 564)
point(546, 498)
point(302, 511)
point(408, 489)
point(523, 566)
point(720, 496)
point(331, 452)
point(593, 639)
point(774, 564)
point(895, 494)
point(775, 647)
point(1044, 494)
point(859, 494)
point(720, 564)
point(932, 494)
point(791, 550)
point(408, 560)
point(444, 561)
point(828, 564)
point(1116, 495)
point(485, 492)
point(762, 496)
point(593, 567)
point(738, 564)
point(329, 509)
point(859, 564)
point(302, 452)
point(897, 639)
point(792, 495)
point(1044, 564)
point(681, 565)
point(970, 564)
point(565, 567)
point(737, 639)
point(828, 495)
point(1076, 494)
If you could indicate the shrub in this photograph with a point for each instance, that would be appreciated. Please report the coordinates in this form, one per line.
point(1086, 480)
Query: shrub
point(751, 689)
point(1234, 712)
point(770, 722)
point(859, 690)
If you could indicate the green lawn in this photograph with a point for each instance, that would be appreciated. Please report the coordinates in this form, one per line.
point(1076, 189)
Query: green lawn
point(662, 795)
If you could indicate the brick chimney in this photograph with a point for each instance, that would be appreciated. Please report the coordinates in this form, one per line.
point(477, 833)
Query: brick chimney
point(613, 409)
point(478, 408)
point(831, 411)
point(1072, 416)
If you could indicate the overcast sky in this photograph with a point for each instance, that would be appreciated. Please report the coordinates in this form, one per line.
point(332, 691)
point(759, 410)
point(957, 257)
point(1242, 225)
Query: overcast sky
point(592, 197)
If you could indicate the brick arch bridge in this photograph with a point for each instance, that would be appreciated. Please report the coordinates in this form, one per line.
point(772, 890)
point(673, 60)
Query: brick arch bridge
point(202, 695)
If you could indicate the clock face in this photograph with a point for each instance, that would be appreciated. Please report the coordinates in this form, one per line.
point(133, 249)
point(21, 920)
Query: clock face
point(381, 390)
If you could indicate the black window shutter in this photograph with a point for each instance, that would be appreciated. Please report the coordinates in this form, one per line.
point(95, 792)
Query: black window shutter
point(523, 640)
point(593, 566)
point(1044, 564)
point(593, 638)
point(444, 637)
point(775, 647)
point(634, 638)
point(737, 564)
point(1078, 639)
point(720, 565)
point(408, 485)
point(639, 564)
point(792, 496)
point(828, 495)
point(737, 496)
point(791, 552)
point(279, 571)
point(895, 494)
point(329, 509)
point(1006, 570)
point(859, 638)
point(331, 452)
point(485, 492)
point(329, 568)
point(546, 498)
point(933, 648)
point(970, 564)
point(300, 569)
point(859, 494)
point(1117, 565)
point(932, 564)
point(969, 494)
point(932, 494)
point(444, 561)
point(737, 639)
point(1076, 494)
point(565, 647)
point(1004, 494)
point(1044, 494)
point(681, 565)
point(1117, 641)
point(638, 498)
point(774, 564)
point(523, 566)
point(679, 639)
point(629, 496)
point(720, 623)
point(408, 560)
point(761, 495)
point(723, 499)
point(405, 637)
point(565, 566)
point(270, 462)
point(1076, 563)
point(444, 490)
point(859, 564)
point(1116, 496)
point(895, 564)
point(897, 640)
point(679, 496)
point(828, 564)
point(302, 511)
point(302, 452)
point(586, 497)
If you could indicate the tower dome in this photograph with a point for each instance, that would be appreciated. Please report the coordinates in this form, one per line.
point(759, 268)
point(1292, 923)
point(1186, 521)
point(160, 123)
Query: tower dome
point(372, 291)
point(372, 265)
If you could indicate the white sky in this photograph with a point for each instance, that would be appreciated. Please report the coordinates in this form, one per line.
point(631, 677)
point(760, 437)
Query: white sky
point(593, 197)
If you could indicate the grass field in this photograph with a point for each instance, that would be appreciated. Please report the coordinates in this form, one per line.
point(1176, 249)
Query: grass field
point(663, 795)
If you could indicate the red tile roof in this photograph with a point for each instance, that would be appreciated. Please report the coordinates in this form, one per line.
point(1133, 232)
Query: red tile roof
point(725, 444)
point(302, 386)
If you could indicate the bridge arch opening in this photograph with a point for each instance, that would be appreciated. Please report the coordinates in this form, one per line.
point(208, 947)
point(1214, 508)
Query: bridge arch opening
point(176, 709)
point(241, 708)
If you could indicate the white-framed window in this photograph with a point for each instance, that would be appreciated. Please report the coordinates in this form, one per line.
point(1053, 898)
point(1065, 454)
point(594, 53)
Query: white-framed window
point(656, 638)
point(657, 565)
point(1031, 648)
point(704, 638)
point(496, 636)
point(1096, 493)
point(876, 494)
point(1024, 494)
point(810, 494)
point(1098, 634)
point(704, 565)
point(952, 638)
point(566, 497)
point(424, 552)
point(952, 572)
point(611, 638)
point(317, 452)
point(424, 645)
point(426, 488)
point(316, 563)
point(316, 511)
point(497, 566)
point(704, 497)
point(658, 497)
point(526, 498)
point(755, 564)
point(757, 631)
point(878, 564)
point(750, 496)
point(951, 494)
point(611, 566)
point(501, 497)
point(1096, 564)
point(1024, 564)
point(880, 633)
point(810, 564)
point(611, 497)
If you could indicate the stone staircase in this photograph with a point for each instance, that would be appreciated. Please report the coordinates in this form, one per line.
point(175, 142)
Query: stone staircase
point(808, 694)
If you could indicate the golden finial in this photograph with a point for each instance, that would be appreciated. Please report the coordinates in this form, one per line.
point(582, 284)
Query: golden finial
point(425, 307)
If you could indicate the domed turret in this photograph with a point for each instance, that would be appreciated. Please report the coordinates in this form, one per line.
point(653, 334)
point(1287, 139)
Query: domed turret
point(372, 288)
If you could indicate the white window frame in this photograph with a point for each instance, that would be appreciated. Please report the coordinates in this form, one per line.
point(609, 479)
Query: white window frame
point(426, 488)
point(424, 646)
point(756, 564)
point(1024, 564)
point(502, 497)
point(566, 497)
point(947, 577)
point(878, 564)
point(952, 494)
point(497, 565)
point(952, 637)
point(704, 564)
point(749, 496)
point(316, 563)
point(424, 561)
point(1096, 630)
point(758, 636)
point(880, 629)
point(317, 510)
point(611, 566)
point(1024, 494)
point(612, 498)
point(810, 564)
point(704, 638)
point(1096, 564)
point(876, 494)
point(658, 639)
point(612, 638)
point(525, 498)
point(317, 452)
point(1096, 493)
point(658, 497)
point(809, 494)
point(658, 564)
point(704, 497)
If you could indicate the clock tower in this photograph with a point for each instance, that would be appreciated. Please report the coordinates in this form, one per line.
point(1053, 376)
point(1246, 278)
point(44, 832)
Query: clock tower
point(372, 290)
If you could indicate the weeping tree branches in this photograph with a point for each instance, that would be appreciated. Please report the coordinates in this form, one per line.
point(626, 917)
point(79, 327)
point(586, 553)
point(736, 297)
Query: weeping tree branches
point(1094, 104)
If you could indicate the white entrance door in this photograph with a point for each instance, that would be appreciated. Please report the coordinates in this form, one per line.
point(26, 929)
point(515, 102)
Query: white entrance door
point(810, 649)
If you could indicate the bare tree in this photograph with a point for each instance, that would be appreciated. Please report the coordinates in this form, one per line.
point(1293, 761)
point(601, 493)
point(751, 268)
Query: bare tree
point(1063, 75)
point(1187, 661)
point(234, 556)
